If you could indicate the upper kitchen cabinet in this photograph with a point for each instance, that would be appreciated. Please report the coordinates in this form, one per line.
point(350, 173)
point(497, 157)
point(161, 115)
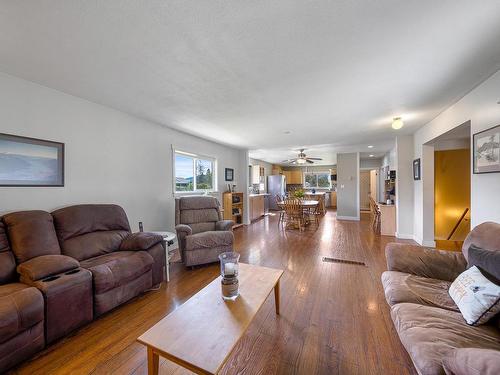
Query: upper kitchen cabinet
point(257, 173)
point(294, 177)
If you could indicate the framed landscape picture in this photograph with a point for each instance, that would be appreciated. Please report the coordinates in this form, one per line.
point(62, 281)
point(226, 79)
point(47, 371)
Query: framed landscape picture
point(30, 162)
point(487, 150)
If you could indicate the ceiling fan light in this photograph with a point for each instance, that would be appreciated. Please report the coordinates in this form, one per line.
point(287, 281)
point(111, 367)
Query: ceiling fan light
point(301, 161)
point(397, 123)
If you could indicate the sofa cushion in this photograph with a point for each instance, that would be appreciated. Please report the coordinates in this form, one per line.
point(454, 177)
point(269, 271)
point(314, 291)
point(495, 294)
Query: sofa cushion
point(477, 297)
point(472, 361)
point(90, 230)
point(31, 234)
point(485, 235)
point(487, 261)
point(402, 287)
point(431, 333)
point(80, 219)
point(46, 265)
point(199, 216)
point(93, 244)
point(21, 307)
point(140, 241)
point(113, 270)
point(198, 202)
point(203, 227)
point(209, 239)
point(7, 261)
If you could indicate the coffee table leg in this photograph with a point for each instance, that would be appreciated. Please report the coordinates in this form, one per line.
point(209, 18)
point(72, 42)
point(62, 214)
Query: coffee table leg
point(277, 297)
point(153, 362)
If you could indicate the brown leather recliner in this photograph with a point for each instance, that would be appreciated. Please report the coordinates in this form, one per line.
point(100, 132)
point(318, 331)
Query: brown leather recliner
point(201, 232)
point(123, 265)
point(21, 312)
point(66, 287)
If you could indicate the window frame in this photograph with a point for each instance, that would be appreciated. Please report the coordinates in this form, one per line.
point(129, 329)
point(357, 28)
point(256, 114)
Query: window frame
point(316, 173)
point(195, 157)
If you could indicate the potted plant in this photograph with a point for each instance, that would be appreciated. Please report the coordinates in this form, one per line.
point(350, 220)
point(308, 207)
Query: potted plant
point(299, 193)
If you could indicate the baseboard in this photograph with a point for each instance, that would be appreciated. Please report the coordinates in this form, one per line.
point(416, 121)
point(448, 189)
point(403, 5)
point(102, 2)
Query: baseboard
point(405, 236)
point(422, 242)
point(350, 218)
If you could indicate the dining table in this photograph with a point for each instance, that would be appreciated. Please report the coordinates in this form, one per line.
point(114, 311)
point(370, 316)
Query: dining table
point(306, 204)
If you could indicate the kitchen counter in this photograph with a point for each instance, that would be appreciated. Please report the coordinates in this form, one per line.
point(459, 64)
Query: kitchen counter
point(258, 195)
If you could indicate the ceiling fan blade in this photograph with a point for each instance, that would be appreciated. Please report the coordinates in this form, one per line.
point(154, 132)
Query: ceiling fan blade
point(315, 159)
point(309, 161)
point(288, 160)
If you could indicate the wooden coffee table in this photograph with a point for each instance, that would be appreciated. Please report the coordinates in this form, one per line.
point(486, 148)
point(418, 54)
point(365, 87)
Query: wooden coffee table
point(200, 334)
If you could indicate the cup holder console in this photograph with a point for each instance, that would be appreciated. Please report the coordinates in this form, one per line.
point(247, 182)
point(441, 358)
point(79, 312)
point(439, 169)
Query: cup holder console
point(51, 278)
point(72, 272)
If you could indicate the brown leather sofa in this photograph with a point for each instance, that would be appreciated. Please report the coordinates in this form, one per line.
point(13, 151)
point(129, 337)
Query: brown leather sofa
point(123, 265)
point(427, 320)
point(201, 232)
point(21, 312)
point(90, 265)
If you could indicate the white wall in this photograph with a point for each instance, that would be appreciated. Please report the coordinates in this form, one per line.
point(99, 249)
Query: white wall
point(110, 157)
point(348, 186)
point(481, 108)
point(373, 163)
point(404, 186)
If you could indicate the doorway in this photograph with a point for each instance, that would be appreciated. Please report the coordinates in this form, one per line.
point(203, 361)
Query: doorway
point(364, 190)
point(452, 175)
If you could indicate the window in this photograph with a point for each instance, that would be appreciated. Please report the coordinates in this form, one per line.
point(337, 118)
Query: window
point(317, 180)
point(193, 172)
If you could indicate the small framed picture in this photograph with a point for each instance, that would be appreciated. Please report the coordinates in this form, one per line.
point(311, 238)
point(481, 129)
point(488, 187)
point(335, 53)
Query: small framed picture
point(229, 174)
point(487, 150)
point(30, 162)
point(416, 169)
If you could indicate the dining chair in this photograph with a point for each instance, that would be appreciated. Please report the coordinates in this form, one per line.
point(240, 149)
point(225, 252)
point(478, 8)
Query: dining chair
point(293, 213)
point(375, 210)
point(279, 202)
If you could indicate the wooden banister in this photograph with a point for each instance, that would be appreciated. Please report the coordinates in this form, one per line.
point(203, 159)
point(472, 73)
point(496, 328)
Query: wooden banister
point(458, 223)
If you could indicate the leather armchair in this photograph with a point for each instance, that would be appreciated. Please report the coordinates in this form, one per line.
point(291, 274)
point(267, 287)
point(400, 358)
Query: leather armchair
point(201, 232)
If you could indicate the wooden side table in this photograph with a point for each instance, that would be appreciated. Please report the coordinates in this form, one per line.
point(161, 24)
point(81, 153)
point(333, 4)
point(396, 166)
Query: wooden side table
point(168, 240)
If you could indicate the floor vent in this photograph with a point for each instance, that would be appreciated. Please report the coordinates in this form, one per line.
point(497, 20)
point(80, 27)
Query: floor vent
point(336, 260)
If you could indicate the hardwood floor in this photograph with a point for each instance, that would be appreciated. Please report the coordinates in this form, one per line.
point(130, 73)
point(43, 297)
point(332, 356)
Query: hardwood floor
point(334, 318)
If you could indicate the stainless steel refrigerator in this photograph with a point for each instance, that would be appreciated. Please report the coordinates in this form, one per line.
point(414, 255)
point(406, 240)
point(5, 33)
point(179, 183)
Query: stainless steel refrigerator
point(276, 185)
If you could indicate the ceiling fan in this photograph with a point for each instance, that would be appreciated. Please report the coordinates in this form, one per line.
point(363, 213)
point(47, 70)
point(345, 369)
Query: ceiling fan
point(301, 159)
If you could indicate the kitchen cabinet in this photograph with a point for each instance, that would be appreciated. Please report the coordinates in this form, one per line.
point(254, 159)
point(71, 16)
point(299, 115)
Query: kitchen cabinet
point(257, 206)
point(293, 177)
point(255, 174)
point(333, 199)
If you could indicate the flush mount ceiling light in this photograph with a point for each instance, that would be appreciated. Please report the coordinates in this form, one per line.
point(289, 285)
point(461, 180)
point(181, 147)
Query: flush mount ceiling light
point(370, 146)
point(397, 123)
point(371, 155)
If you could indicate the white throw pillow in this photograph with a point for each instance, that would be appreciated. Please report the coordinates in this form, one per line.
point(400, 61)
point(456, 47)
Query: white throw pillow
point(477, 298)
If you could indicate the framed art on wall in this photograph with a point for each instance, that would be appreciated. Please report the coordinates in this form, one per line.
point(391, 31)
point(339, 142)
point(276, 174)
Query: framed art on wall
point(416, 169)
point(229, 174)
point(30, 162)
point(487, 150)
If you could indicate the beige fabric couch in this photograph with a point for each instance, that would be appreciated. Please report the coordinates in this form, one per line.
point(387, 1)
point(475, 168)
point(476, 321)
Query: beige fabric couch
point(427, 320)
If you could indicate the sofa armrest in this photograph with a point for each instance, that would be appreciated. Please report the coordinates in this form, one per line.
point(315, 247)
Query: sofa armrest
point(224, 225)
point(46, 265)
point(183, 230)
point(425, 262)
point(140, 241)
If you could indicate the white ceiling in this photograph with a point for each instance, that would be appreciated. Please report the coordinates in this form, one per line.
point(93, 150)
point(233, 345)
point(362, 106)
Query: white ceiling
point(242, 73)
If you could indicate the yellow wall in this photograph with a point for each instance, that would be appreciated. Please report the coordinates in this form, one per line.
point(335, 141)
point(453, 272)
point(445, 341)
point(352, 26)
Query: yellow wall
point(451, 192)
